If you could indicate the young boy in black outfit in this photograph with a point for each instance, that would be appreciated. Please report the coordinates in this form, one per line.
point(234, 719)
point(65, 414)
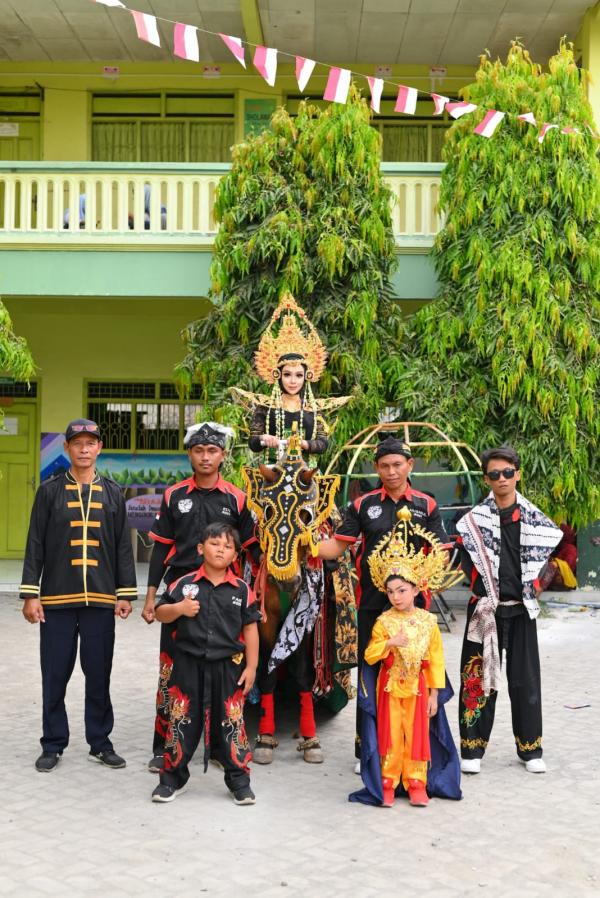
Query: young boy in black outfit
point(216, 616)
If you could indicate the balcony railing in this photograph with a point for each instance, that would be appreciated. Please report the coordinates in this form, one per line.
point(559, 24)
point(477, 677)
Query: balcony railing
point(95, 203)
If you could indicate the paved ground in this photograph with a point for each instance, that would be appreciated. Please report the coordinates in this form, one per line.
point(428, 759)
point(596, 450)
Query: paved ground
point(85, 830)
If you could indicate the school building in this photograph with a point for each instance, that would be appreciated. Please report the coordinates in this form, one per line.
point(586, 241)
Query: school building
point(111, 150)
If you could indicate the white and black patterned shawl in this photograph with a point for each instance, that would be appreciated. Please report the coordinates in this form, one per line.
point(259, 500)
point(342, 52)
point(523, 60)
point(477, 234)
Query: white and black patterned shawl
point(480, 532)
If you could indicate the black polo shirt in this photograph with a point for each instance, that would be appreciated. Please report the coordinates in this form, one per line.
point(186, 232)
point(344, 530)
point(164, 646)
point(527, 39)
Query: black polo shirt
point(373, 515)
point(217, 630)
point(186, 511)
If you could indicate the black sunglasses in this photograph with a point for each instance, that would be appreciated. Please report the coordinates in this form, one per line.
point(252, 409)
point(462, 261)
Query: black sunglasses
point(507, 473)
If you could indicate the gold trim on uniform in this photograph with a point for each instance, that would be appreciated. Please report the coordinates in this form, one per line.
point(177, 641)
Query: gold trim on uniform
point(83, 562)
point(473, 743)
point(528, 746)
point(83, 524)
point(90, 542)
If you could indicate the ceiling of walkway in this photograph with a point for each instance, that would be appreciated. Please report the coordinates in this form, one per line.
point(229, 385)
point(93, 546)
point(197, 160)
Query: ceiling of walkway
point(432, 32)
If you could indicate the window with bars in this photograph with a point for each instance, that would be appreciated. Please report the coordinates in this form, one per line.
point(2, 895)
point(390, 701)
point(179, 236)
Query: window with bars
point(141, 416)
point(17, 388)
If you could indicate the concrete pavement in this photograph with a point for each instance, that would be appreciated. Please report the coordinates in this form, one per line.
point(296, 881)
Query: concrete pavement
point(84, 830)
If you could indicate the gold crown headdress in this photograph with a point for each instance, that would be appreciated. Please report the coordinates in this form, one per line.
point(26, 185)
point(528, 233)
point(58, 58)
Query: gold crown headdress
point(394, 556)
point(291, 338)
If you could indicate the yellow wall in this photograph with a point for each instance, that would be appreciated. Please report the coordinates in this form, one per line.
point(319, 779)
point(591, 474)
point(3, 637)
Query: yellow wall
point(587, 46)
point(65, 125)
point(67, 87)
point(103, 339)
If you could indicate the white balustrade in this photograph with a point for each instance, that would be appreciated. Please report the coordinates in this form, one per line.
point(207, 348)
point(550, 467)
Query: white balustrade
point(94, 203)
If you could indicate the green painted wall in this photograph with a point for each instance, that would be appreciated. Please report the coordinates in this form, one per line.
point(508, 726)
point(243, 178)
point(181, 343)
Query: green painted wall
point(72, 272)
point(45, 272)
point(77, 339)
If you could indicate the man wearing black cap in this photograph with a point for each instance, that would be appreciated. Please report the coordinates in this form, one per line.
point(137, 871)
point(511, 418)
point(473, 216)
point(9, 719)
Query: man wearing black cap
point(369, 518)
point(79, 545)
point(186, 511)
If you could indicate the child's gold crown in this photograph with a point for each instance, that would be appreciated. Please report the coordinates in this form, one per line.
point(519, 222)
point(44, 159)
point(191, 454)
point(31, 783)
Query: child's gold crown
point(429, 568)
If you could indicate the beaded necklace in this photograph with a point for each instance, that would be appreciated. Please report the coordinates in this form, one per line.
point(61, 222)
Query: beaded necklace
point(276, 411)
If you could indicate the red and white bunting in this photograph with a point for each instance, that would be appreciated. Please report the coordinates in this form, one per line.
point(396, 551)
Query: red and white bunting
point(439, 103)
point(456, 110)
point(185, 42)
point(544, 130)
point(407, 100)
point(235, 45)
point(376, 87)
point(338, 85)
point(265, 63)
point(112, 3)
point(489, 123)
point(304, 69)
point(528, 117)
point(146, 27)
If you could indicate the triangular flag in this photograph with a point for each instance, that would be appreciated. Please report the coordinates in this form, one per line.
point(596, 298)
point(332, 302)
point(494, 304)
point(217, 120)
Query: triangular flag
point(304, 69)
point(235, 45)
point(439, 102)
point(185, 42)
point(528, 117)
point(376, 85)
point(265, 62)
point(146, 27)
point(338, 85)
point(458, 109)
point(489, 123)
point(569, 130)
point(407, 100)
point(112, 3)
point(544, 130)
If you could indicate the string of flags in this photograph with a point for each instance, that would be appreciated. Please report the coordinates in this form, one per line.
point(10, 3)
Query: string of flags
point(185, 46)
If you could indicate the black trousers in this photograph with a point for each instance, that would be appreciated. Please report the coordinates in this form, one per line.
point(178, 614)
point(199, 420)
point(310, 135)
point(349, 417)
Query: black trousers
point(365, 623)
point(204, 697)
point(167, 654)
point(517, 638)
point(94, 629)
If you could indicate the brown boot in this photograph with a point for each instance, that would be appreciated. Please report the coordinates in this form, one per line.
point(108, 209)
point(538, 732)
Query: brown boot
point(313, 753)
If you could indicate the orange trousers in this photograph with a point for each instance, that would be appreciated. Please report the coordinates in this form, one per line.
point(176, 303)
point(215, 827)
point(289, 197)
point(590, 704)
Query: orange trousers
point(398, 762)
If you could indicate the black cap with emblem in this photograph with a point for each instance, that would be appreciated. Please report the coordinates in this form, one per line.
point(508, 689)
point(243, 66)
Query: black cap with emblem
point(392, 446)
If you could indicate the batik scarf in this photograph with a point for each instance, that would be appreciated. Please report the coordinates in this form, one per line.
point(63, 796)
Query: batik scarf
point(480, 532)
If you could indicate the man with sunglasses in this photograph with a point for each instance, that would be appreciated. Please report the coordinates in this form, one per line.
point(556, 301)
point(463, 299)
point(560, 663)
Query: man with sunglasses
point(79, 547)
point(504, 543)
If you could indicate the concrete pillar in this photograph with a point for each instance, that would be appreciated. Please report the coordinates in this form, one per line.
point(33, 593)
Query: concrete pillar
point(587, 48)
point(66, 112)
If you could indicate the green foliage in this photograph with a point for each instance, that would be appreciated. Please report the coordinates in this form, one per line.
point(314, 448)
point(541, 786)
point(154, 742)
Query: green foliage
point(15, 358)
point(511, 351)
point(304, 209)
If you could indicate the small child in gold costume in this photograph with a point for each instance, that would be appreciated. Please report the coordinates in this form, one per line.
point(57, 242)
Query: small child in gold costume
point(405, 653)
point(407, 641)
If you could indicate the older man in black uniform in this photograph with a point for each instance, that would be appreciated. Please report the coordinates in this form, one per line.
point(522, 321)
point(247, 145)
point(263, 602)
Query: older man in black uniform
point(187, 509)
point(369, 518)
point(79, 545)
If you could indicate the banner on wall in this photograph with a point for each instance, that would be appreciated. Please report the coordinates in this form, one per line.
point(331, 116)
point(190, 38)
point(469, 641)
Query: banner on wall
point(127, 469)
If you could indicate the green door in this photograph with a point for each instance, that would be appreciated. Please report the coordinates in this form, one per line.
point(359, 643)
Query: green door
point(23, 146)
point(17, 476)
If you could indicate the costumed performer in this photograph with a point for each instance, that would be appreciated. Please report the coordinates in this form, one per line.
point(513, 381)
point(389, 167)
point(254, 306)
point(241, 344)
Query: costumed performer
point(406, 645)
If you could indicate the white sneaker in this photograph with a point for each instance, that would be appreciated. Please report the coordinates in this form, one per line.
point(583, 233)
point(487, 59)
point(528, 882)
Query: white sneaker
point(470, 765)
point(357, 768)
point(536, 765)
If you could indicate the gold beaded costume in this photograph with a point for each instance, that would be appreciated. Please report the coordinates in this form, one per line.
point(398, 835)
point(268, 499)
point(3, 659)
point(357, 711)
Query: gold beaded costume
point(407, 672)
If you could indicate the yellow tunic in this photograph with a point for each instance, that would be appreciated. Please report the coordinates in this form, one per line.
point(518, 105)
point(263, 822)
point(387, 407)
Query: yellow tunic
point(424, 644)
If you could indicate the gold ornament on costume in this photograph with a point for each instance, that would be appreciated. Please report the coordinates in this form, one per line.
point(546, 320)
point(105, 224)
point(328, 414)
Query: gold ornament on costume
point(295, 335)
point(394, 556)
